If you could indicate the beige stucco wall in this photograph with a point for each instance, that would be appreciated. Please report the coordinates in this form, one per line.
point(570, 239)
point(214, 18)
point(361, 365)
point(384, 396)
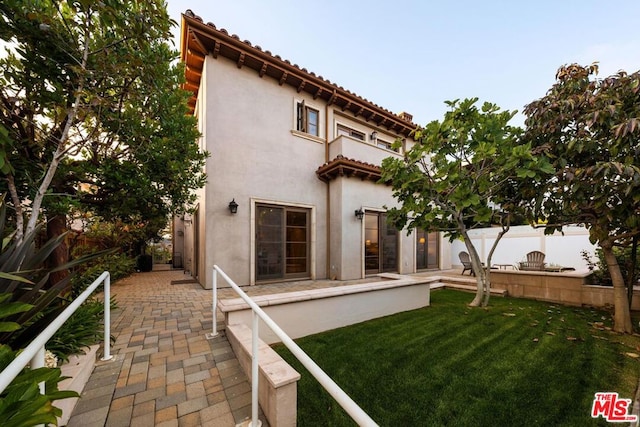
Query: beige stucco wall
point(254, 156)
point(257, 156)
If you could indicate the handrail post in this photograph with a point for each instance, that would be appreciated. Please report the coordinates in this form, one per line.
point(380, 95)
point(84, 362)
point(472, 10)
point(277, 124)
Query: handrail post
point(38, 361)
point(255, 422)
point(214, 285)
point(11, 371)
point(107, 318)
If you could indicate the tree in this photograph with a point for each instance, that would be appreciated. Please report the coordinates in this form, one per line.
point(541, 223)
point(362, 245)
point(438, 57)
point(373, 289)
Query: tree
point(92, 115)
point(589, 129)
point(462, 174)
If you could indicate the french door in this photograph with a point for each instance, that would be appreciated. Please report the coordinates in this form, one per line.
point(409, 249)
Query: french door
point(380, 244)
point(282, 242)
point(426, 250)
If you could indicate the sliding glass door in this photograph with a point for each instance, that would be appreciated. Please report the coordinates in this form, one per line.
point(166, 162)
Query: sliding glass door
point(426, 250)
point(282, 242)
point(380, 244)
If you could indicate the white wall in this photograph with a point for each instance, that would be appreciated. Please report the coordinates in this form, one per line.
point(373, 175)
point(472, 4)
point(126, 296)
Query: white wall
point(562, 250)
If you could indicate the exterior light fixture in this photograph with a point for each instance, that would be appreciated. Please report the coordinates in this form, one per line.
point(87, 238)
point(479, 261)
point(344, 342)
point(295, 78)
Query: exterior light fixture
point(233, 206)
point(359, 214)
point(374, 136)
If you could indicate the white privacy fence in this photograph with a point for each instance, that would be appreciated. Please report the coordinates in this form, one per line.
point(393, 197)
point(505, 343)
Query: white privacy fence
point(34, 353)
point(559, 249)
point(358, 415)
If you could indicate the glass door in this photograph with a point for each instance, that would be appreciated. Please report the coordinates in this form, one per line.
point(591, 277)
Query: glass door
point(269, 243)
point(380, 244)
point(426, 250)
point(282, 243)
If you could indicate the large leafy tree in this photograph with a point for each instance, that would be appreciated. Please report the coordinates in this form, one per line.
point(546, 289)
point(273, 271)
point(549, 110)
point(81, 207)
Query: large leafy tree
point(92, 115)
point(589, 129)
point(462, 173)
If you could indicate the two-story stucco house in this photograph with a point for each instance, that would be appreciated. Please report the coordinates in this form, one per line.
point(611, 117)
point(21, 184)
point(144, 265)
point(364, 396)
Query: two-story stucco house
point(292, 189)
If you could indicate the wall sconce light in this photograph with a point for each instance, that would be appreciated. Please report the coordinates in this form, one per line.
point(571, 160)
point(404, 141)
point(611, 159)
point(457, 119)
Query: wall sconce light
point(233, 206)
point(422, 240)
point(374, 136)
point(359, 214)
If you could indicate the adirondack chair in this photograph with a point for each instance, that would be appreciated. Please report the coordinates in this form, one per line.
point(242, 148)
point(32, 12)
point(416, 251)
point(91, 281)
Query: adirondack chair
point(534, 262)
point(466, 263)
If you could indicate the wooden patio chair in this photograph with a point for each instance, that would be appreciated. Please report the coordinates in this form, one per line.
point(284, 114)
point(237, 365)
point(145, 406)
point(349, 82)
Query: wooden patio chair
point(534, 262)
point(466, 263)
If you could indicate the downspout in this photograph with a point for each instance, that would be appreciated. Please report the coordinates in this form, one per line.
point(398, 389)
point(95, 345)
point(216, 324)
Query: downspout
point(328, 193)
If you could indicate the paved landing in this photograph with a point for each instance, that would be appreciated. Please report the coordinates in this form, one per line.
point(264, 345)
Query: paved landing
point(165, 372)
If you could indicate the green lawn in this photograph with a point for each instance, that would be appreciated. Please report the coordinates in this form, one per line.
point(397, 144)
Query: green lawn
point(518, 362)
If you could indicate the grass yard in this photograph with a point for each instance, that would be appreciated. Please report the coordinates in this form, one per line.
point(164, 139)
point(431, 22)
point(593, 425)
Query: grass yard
point(518, 362)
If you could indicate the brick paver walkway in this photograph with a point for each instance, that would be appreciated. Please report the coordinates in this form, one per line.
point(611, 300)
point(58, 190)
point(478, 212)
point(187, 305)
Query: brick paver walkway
point(165, 372)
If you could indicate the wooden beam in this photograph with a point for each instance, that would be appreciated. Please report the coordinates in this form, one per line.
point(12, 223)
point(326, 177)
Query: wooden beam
point(318, 93)
point(333, 98)
point(346, 106)
point(241, 60)
point(301, 86)
point(197, 41)
point(193, 70)
point(216, 49)
point(263, 70)
point(196, 54)
point(359, 111)
point(283, 78)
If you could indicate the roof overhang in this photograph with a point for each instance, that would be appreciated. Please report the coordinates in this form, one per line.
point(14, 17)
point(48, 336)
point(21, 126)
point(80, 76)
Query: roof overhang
point(345, 167)
point(198, 40)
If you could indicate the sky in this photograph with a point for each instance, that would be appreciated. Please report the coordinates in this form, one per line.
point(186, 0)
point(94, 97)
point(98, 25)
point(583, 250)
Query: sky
point(414, 55)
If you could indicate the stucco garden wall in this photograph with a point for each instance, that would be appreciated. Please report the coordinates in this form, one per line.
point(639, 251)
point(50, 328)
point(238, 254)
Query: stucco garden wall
point(568, 288)
point(559, 249)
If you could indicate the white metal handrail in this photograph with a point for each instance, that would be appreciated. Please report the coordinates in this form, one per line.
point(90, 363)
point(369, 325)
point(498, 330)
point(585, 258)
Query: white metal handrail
point(352, 408)
point(35, 352)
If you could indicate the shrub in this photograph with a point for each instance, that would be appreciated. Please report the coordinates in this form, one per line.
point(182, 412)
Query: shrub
point(118, 265)
point(145, 263)
point(21, 403)
point(83, 329)
point(599, 267)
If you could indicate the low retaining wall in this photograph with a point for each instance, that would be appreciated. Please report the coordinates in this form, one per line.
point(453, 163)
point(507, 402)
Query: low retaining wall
point(78, 369)
point(308, 312)
point(277, 382)
point(570, 288)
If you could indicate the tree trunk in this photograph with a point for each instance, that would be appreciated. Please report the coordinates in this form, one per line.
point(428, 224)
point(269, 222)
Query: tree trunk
point(478, 270)
point(622, 315)
point(56, 226)
point(632, 277)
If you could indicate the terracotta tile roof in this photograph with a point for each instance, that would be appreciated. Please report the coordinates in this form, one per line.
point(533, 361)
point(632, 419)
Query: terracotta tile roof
point(199, 40)
point(343, 166)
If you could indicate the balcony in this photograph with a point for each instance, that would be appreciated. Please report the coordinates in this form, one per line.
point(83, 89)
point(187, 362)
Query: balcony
point(361, 151)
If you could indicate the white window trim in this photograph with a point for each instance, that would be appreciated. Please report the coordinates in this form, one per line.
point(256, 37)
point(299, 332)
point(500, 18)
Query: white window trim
point(321, 119)
point(340, 124)
point(312, 243)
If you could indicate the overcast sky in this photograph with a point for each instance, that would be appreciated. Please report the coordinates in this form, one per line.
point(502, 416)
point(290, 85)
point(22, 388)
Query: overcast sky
point(413, 55)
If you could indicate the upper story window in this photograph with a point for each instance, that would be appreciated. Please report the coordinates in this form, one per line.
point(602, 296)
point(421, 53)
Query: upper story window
point(307, 119)
point(386, 145)
point(343, 130)
point(380, 143)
